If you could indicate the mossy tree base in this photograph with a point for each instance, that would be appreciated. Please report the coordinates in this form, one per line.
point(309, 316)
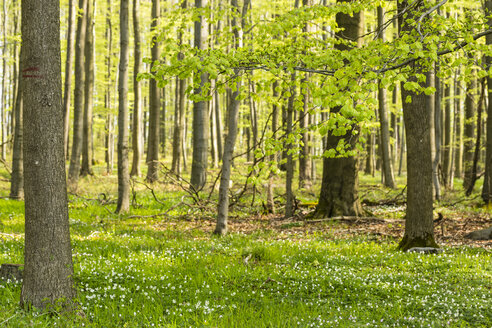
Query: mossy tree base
point(409, 242)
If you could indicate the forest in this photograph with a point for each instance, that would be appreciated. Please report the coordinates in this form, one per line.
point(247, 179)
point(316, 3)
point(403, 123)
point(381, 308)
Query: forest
point(245, 163)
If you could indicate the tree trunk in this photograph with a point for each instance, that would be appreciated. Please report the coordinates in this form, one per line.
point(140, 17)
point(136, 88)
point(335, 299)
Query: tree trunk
point(154, 104)
point(137, 103)
point(487, 184)
point(274, 156)
point(458, 162)
point(68, 72)
point(469, 131)
point(200, 117)
point(389, 178)
point(86, 168)
point(74, 169)
point(107, 96)
point(289, 167)
point(340, 183)
point(448, 137)
point(123, 171)
point(431, 106)
point(17, 177)
point(230, 139)
point(419, 226)
point(48, 268)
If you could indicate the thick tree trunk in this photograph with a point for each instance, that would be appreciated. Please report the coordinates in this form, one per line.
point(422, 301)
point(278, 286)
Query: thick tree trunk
point(86, 168)
point(487, 184)
point(74, 169)
point(154, 104)
point(137, 103)
point(340, 184)
point(17, 177)
point(68, 73)
point(48, 266)
point(419, 226)
point(123, 171)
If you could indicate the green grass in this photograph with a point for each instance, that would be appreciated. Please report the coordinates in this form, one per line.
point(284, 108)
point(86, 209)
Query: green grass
point(169, 272)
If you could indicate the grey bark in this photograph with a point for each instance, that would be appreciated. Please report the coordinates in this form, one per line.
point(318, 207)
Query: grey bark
point(431, 106)
point(48, 268)
point(419, 226)
point(86, 168)
point(448, 138)
point(154, 104)
point(17, 176)
point(200, 118)
point(469, 130)
point(230, 139)
point(340, 183)
point(389, 178)
point(123, 204)
point(487, 184)
point(74, 169)
point(68, 73)
point(109, 138)
point(137, 125)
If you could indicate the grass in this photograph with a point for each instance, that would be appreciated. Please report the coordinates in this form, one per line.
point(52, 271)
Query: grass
point(169, 272)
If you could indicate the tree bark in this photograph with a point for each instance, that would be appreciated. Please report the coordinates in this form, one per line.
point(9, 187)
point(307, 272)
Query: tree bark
point(389, 178)
point(289, 167)
point(340, 183)
point(109, 142)
point(48, 268)
point(137, 103)
point(469, 131)
point(487, 184)
point(17, 177)
point(154, 103)
point(86, 168)
point(123, 204)
point(431, 106)
point(419, 226)
point(448, 137)
point(230, 139)
point(68, 73)
point(200, 118)
point(74, 169)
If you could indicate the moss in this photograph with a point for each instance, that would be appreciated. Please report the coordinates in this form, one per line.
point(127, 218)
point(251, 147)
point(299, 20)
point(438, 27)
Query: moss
point(427, 241)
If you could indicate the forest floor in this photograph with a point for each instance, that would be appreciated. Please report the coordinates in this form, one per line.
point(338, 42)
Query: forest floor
point(160, 266)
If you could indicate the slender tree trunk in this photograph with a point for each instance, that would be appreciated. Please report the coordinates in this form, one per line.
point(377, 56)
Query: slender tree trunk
point(458, 131)
point(74, 169)
point(339, 187)
point(200, 123)
point(273, 157)
point(68, 73)
point(123, 171)
point(48, 268)
point(137, 103)
point(107, 97)
point(431, 106)
point(17, 177)
point(469, 131)
point(389, 178)
point(419, 224)
point(448, 137)
point(154, 103)
point(476, 153)
point(289, 176)
point(86, 168)
point(230, 140)
point(4, 89)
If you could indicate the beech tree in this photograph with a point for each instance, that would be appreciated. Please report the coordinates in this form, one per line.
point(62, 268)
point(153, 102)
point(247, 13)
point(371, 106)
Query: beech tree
point(48, 266)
